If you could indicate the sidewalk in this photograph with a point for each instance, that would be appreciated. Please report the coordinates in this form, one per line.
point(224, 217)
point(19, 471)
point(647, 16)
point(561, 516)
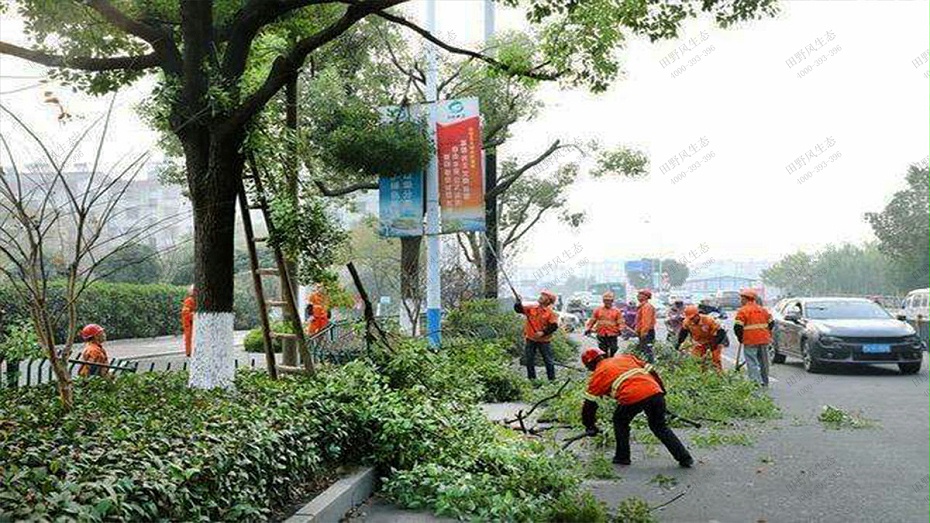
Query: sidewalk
point(163, 346)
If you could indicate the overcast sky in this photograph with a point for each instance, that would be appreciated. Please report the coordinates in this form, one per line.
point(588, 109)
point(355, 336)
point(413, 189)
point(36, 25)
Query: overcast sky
point(755, 115)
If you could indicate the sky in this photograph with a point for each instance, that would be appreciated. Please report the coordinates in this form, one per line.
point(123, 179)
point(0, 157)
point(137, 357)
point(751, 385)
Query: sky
point(739, 108)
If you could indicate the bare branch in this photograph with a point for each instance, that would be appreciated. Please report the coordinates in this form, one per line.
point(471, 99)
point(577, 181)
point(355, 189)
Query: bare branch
point(116, 63)
point(507, 181)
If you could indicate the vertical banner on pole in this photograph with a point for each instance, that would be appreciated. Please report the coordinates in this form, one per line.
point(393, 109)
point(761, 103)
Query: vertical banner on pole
point(400, 197)
point(461, 172)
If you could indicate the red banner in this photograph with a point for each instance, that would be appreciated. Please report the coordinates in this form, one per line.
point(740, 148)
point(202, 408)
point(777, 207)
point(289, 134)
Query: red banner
point(461, 182)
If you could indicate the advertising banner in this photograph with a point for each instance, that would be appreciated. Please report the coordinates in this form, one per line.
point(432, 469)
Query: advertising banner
point(461, 176)
point(400, 197)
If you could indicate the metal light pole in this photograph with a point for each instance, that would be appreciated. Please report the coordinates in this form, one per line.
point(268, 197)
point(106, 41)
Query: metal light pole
point(433, 285)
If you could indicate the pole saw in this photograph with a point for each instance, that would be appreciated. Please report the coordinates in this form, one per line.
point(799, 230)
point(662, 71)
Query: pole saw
point(500, 267)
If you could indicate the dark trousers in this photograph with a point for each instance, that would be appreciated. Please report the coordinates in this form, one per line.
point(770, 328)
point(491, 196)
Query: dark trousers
point(545, 349)
point(607, 344)
point(654, 406)
point(645, 345)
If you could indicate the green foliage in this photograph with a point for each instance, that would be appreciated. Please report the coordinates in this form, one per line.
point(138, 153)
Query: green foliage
point(18, 341)
point(634, 510)
point(903, 228)
point(599, 467)
point(716, 438)
point(836, 418)
point(622, 161)
point(253, 341)
point(132, 263)
point(307, 232)
point(484, 320)
point(844, 269)
point(664, 482)
point(125, 310)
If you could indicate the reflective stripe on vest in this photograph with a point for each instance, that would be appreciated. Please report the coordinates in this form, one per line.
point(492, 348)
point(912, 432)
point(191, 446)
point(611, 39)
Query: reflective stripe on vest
point(638, 371)
point(756, 326)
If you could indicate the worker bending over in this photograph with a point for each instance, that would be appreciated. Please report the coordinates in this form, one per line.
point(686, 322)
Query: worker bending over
point(188, 308)
point(94, 336)
point(753, 328)
point(646, 324)
point(607, 322)
point(636, 387)
point(706, 334)
point(541, 324)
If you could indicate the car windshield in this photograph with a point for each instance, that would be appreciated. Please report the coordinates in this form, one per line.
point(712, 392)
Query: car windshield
point(845, 310)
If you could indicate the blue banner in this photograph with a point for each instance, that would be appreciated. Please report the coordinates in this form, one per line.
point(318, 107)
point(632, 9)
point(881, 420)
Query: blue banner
point(401, 205)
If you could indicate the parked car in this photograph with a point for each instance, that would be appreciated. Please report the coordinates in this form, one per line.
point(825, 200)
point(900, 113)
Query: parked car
point(825, 331)
point(915, 306)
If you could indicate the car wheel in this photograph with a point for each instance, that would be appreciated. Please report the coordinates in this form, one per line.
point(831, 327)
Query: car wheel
point(811, 364)
point(775, 356)
point(909, 368)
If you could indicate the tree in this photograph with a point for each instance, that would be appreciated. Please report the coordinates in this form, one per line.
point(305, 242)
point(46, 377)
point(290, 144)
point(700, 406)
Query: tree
point(836, 270)
point(202, 50)
point(903, 228)
point(677, 273)
point(137, 263)
point(37, 205)
point(793, 274)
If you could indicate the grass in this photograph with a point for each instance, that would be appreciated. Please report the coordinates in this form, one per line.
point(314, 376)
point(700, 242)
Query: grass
point(664, 482)
point(716, 439)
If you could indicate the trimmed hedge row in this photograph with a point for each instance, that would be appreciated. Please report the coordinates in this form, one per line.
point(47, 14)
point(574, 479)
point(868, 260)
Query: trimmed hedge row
point(126, 310)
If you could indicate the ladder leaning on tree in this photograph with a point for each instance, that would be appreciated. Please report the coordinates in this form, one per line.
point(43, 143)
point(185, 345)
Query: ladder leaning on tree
point(288, 302)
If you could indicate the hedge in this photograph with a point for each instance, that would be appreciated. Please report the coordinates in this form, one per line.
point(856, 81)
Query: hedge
point(126, 310)
point(147, 448)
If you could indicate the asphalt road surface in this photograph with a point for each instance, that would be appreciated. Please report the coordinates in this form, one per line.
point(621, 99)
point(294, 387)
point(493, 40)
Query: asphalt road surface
point(797, 470)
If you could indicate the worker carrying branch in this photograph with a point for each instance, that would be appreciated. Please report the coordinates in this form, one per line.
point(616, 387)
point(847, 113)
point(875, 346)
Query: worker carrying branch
point(541, 324)
point(646, 324)
point(706, 334)
point(636, 387)
point(753, 328)
point(94, 336)
point(607, 322)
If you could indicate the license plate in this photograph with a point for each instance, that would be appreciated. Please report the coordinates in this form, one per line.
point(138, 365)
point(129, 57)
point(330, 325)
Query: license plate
point(874, 348)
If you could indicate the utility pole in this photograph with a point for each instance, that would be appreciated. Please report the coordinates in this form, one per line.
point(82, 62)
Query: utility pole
point(491, 262)
point(433, 284)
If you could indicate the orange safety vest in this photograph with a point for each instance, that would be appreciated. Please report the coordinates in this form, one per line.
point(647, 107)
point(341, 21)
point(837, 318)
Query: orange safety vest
point(320, 318)
point(704, 332)
point(537, 318)
point(625, 378)
point(606, 322)
point(645, 319)
point(93, 352)
point(755, 321)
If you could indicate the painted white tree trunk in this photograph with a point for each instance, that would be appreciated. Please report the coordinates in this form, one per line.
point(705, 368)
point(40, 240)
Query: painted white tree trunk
point(212, 363)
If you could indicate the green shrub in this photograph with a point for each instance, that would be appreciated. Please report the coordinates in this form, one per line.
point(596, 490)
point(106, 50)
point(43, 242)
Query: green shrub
point(126, 310)
point(19, 342)
point(253, 341)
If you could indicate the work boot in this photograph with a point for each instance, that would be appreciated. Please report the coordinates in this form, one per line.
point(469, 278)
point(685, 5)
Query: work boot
point(619, 461)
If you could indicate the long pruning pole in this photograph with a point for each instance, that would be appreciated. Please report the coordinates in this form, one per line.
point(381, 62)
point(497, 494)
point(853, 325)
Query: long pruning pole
point(501, 267)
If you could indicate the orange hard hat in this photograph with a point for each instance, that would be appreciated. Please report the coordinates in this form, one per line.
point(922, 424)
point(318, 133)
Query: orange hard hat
point(609, 295)
point(590, 354)
point(691, 311)
point(748, 293)
point(548, 294)
point(90, 330)
point(645, 292)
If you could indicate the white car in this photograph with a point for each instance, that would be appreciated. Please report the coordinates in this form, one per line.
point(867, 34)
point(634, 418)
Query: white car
point(915, 305)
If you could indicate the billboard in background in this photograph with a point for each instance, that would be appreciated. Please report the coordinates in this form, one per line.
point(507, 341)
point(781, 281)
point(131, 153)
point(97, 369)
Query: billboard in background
point(400, 197)
point(461, 173)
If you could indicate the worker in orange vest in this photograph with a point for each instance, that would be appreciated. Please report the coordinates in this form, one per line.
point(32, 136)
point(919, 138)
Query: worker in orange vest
point(636, 387)
point(318, 312)
point(188, 308)
point(541, 324)
point(706, 334)
point(753, 328)
point(646, 324)
point(607, 322)
point(94, 336)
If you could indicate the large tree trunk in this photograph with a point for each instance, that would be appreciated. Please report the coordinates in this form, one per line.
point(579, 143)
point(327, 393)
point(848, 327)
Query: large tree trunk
point(213, 163)
point(410, 284)
point(490, 218)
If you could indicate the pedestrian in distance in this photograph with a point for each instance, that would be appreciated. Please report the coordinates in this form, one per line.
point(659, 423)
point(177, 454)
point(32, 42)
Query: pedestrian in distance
point(94, 337)
point(636, 387)
point(541, 324)
point(753, 328)
point(646, 324)
point(188, 308)
point(607, 323)
point(706, 334)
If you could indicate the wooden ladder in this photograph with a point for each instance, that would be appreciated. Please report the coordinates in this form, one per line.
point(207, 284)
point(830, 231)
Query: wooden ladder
point(288, 302)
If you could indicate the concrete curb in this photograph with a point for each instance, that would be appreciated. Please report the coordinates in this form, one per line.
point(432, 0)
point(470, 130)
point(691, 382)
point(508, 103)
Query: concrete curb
point(333, 503)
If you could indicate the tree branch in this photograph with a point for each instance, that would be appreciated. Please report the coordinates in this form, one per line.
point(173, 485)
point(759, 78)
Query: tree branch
point(515, 238)
point(160, 40)
point(530, 73)
point(506, 182)
point(116, 63)
point(361, 186)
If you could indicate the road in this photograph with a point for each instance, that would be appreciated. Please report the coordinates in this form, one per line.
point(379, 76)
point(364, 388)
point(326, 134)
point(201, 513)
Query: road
point(798, 470)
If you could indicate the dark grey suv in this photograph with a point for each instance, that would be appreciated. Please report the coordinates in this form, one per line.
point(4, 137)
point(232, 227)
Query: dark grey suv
point(824, 331)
